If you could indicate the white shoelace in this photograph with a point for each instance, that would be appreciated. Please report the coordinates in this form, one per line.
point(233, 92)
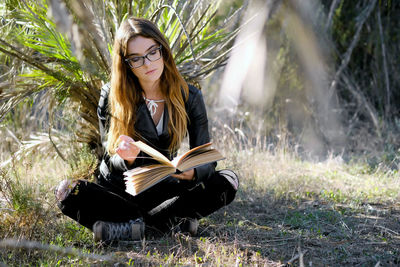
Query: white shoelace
point(152, 105)
point(118, 231)
point(124, 231)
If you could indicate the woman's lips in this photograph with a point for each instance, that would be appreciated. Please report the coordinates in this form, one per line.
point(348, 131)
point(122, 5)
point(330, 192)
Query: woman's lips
point(150, 72)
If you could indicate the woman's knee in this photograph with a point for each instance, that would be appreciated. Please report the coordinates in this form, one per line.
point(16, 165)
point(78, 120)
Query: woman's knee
point(231, 178)
point(229, 184)
point(64, 188)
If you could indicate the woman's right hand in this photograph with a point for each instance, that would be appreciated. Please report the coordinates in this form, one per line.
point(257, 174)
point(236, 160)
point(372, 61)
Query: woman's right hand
point(126, 149)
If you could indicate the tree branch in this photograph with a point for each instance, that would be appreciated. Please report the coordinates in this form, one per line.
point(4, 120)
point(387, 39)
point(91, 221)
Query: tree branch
point(298, 256)
point(361, 99)
point(346, 58)
point(330, 16)
point(384, 63)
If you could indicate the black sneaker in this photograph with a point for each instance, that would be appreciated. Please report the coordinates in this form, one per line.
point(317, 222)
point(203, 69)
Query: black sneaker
point(108, 231)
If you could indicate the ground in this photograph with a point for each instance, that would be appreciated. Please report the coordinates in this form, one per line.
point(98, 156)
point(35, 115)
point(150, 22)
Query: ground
point(287, 212)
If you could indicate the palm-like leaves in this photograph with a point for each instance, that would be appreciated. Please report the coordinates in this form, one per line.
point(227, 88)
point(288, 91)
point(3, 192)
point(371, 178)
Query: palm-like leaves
point(68, 53)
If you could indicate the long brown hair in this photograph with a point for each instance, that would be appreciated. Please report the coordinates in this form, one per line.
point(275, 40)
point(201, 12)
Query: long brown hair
point(126, 92)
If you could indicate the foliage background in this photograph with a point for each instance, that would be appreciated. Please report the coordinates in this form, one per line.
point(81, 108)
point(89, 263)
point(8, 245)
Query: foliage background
point(57, 54)
point(55, 59)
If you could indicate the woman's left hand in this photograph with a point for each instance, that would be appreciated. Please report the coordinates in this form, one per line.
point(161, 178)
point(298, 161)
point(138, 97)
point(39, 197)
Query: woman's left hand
point(187, 175)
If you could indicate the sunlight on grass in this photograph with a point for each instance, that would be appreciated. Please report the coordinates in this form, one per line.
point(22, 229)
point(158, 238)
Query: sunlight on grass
point(287, 176)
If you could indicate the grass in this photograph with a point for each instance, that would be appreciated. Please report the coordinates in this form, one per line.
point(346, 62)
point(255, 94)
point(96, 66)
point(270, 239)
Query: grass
point(288, 212)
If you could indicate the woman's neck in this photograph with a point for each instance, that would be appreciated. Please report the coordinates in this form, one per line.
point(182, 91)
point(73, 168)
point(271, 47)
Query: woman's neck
point(152, 90)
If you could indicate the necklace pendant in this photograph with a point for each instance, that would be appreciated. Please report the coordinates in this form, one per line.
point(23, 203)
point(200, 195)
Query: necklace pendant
point(152, 105)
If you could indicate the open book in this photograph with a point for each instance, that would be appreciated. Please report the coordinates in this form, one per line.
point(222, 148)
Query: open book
point(141, 178)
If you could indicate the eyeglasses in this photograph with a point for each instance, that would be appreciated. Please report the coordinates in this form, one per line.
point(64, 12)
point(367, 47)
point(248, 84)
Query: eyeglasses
point(138, 61)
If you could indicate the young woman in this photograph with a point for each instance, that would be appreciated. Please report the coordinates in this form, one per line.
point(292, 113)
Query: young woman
point(147, 100)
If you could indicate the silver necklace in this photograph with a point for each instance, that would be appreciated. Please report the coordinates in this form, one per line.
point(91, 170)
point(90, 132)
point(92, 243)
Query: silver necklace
point(152, 105)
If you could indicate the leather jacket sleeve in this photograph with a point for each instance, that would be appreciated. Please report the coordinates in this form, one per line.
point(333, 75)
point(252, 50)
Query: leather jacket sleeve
point(111, 167)
point(198, 129)
point(102, 113)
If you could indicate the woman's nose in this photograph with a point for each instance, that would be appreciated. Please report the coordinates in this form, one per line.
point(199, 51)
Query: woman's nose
point(146, 61)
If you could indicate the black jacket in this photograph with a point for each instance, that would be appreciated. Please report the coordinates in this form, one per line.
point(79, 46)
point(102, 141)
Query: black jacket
point(112, 167)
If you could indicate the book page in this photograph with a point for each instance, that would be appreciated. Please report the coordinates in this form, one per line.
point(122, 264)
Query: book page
point(153, 153)
point(177, 161)
point(198, 158)
point(141, 178)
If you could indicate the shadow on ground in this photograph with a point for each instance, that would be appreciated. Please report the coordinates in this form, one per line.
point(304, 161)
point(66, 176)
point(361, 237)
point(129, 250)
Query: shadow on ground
point(265, 231)
point(316, 232)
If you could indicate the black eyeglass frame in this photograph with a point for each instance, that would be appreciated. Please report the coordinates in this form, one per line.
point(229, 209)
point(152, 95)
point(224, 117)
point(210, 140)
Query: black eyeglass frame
point(127, 60)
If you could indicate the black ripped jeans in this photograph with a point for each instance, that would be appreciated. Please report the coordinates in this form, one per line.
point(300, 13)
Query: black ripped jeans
point(161, 206)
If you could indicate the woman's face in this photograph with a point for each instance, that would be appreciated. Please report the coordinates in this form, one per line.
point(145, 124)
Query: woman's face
point(150, 72)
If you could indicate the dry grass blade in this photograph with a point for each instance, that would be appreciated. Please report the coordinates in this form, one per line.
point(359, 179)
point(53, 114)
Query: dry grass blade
point(40, 143)
point(9, 99)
